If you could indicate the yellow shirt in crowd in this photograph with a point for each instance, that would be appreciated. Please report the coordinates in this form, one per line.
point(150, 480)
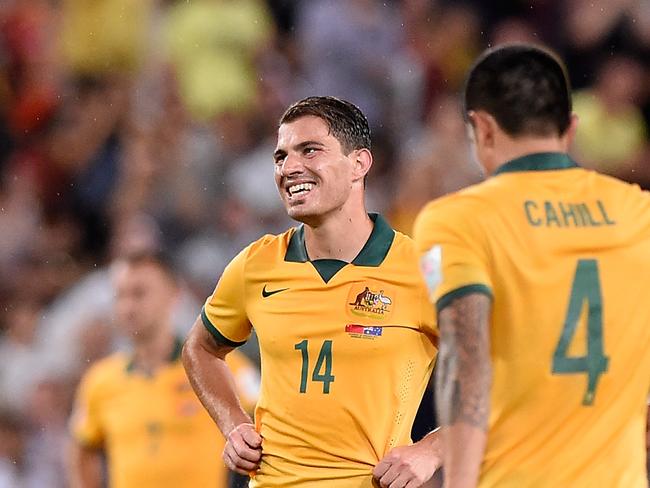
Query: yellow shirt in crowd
point(154, 431)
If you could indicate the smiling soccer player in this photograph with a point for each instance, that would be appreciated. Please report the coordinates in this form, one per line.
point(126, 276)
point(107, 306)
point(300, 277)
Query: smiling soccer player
point(346, 332)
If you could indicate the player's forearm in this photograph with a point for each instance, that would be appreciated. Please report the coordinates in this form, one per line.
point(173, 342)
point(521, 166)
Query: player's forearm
point(212, 380)
point(433, 441)
point(85, 469)
point(462, 455)
point(463, 381)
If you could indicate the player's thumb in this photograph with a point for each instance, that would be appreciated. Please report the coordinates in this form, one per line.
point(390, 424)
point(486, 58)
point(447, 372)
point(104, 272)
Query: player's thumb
point(252, 438)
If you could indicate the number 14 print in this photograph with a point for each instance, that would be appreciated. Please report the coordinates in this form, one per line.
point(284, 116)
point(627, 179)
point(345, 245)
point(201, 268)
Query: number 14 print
point(323, 369)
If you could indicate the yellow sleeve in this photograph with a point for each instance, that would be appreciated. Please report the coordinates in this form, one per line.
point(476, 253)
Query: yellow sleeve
point(224, 312)
point(453, 259)
point(85, 422)
point(247, 379)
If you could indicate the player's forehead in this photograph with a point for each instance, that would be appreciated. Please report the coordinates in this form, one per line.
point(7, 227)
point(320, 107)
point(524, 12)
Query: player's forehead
point(143, 273)
point(306, 128)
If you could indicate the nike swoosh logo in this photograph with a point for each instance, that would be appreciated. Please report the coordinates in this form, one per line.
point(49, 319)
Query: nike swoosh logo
point(266, 294)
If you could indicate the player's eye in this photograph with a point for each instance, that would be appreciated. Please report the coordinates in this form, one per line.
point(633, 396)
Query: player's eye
point(308, 151)
point(279, 159)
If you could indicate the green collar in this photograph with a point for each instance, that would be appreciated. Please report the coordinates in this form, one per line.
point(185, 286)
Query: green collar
point(173, 357)
point(373, 253)
point(538, 162)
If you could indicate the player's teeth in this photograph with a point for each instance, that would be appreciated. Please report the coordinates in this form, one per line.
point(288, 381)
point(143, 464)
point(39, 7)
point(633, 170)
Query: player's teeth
point(302, 186)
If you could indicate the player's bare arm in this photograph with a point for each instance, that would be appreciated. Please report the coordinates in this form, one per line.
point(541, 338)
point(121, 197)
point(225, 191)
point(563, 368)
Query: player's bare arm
point(85, 466)
point(410, 466)
point(204, 362)
point(463, 382)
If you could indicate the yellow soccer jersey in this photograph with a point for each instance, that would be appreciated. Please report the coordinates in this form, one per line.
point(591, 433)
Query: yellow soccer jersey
point(346, 349)
point(153, 429)
point(565, 255)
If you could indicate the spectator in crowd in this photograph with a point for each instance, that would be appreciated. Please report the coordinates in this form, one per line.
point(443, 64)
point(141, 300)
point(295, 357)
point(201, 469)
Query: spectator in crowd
point(613, 134)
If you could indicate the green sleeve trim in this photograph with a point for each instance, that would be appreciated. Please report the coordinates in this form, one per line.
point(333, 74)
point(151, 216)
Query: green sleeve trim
point(449, 297)
point(218, 336)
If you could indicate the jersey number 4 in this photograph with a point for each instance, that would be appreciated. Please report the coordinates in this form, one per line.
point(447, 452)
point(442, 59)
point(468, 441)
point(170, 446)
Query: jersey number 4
point(586, 288)
point(323, 369)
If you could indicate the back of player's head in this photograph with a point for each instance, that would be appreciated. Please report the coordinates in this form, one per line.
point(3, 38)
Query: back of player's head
point(524, 87)
point(346, 121)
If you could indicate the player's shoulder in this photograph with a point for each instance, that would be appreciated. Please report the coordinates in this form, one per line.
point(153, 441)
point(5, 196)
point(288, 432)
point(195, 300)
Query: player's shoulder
point(402, 243)
point(612, 183)
point(404, 251)
point(457, 205)
point(106, 371)
point(630, 198)
point(269, 245)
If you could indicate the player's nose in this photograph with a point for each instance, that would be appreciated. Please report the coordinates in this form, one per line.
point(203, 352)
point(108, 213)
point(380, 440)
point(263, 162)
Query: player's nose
point(292, 166)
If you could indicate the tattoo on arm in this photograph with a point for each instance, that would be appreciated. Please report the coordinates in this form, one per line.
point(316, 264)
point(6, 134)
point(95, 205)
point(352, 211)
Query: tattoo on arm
point(464, 371)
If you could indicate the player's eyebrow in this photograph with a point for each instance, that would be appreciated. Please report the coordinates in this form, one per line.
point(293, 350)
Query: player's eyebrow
point(298, 147)
point(304, 144)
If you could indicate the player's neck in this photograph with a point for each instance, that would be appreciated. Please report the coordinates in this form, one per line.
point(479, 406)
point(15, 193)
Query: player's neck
point(150, 353)
point(340, 236)
point(519, 147)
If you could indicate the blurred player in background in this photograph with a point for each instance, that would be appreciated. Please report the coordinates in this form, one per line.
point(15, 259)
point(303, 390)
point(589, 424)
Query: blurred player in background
point(345, 329)
point(139, 409)
point(539, 276)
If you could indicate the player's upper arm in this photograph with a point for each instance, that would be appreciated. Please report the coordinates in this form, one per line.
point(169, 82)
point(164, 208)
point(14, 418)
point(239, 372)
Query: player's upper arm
point(453, 254)
point(224, 312)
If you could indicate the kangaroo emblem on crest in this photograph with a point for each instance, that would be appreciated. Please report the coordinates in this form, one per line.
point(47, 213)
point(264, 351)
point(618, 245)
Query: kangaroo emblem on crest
point(361, 297)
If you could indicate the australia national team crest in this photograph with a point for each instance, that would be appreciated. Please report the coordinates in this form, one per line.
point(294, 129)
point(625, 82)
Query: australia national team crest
point(371, 300)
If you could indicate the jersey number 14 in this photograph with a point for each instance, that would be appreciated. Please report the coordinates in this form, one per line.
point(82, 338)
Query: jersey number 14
point(323, 369)
point(586, 288)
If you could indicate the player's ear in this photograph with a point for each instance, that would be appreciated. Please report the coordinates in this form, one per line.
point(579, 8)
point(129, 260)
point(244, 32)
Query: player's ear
point(362, 163)
point(570, 133)
point(485, 127)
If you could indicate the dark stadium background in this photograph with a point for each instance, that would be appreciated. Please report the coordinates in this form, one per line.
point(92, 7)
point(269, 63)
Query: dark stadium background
point(141, 123)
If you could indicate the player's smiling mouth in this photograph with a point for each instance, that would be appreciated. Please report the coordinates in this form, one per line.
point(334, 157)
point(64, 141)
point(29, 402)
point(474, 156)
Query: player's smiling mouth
point(295, 190)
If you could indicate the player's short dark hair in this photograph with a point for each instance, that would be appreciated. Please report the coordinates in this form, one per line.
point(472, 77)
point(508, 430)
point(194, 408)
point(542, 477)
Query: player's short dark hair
point(524, 87)
point(157, 257)
point(346, 121)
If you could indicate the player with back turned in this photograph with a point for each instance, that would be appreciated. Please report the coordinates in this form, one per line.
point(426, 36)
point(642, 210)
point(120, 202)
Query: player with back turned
point(539, 275)
point(346, 332)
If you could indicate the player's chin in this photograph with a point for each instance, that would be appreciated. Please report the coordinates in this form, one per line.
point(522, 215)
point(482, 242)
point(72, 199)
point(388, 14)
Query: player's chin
point(299, 209)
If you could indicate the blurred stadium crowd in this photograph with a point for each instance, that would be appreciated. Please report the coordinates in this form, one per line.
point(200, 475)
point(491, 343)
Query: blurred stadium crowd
point(151, 123)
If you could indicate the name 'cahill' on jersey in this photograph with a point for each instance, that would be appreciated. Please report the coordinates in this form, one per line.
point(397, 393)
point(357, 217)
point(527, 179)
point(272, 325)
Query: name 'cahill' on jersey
point(565, 254)
point(346, 349)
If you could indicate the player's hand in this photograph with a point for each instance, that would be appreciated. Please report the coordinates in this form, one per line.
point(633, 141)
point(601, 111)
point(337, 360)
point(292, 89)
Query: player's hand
point(243, 450)
point(410, 466)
